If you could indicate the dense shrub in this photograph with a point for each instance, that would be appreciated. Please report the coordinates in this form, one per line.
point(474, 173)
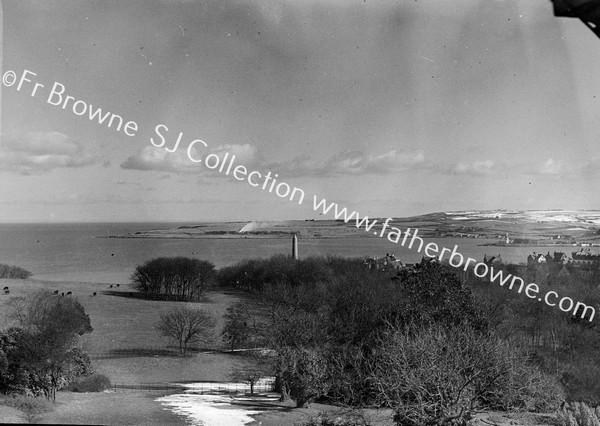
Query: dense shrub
point(438, 375)
point(173, 278)
point(93, 383)
point(433, 294)
point(32, 408)
point(38, 356)
point(578, 414)
point(257, 274)
point(8, 271)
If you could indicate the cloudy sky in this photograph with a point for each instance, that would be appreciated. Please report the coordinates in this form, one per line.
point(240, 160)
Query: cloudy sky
point(389, 107)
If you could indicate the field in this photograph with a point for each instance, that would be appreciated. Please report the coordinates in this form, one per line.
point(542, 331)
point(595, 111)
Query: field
point(123, 326)
point(552, 227)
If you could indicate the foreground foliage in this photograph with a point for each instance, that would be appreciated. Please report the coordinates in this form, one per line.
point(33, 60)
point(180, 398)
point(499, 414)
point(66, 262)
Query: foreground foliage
point(37, 357)
point(32, 408)
point(418, 343)
point(578, 414)
point(439, 375)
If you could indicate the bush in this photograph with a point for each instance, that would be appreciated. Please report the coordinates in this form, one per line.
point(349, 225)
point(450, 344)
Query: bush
point(434, 294)
point(440, 375)
point(32, 408)
point(93, 383)
point(578, 414)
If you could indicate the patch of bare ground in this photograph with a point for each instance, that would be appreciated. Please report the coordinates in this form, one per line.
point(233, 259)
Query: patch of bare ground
point(11, 415)
point(111, 408)
point(285, 413)
point(208, 366)
point(518, 419)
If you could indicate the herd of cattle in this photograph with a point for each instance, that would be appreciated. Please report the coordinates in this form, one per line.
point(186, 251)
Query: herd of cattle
point(68, 293)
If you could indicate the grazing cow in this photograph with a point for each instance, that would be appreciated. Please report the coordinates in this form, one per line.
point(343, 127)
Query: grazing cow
point(69, 293)
point(55, 291)
point(5, 288)
point(62, 294)
point(94, 294)
point(111, 286)
point(118, 285)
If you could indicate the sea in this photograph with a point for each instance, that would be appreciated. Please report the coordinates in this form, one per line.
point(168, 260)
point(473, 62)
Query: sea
point(84, 252)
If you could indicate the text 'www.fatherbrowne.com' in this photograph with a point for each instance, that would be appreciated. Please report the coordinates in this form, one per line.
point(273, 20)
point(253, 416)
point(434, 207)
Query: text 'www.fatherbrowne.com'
point(410, 238)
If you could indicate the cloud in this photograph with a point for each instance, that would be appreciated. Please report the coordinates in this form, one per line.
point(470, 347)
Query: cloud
point(476, 168)
point(158, 159)
point(245, 154)
point(552, 167)
point(151, 158)
point(40, 152)
point(357, 162)
point(344, 163)
point(353, 163)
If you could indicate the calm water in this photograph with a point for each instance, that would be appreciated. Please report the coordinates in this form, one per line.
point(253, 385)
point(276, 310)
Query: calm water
point(74, 252)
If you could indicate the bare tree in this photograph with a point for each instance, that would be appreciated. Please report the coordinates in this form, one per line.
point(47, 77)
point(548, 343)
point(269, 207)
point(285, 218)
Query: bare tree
point(253, 367)
point(237, 328)
point(187, 326)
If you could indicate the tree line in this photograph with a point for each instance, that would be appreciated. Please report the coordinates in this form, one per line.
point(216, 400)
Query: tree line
point(173, 278)
point(419, 343)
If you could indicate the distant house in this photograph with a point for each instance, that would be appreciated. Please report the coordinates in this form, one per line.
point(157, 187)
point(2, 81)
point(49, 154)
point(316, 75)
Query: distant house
point(536, 258)
point(531, 258)
point(560, 258)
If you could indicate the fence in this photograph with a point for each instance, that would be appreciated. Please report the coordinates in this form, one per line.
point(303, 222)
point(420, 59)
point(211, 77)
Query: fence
point(137, 351)
point(130, 352)
point(265, 385)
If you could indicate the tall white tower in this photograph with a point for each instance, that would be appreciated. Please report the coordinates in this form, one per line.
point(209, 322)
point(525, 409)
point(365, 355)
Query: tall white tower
point(295, 247)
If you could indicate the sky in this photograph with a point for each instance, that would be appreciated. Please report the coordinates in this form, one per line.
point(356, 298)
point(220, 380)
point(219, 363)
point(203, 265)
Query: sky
point(387, 107)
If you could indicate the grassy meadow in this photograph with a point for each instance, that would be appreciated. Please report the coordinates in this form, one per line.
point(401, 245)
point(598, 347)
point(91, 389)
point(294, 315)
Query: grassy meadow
point(127, 324)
